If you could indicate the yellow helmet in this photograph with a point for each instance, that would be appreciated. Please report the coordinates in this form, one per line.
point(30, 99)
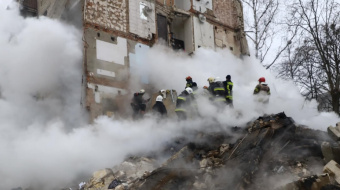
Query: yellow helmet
point(211, 79)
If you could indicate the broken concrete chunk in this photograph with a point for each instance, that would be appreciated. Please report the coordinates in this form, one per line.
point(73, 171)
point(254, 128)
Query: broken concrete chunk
point(327, 151)
point(334, 132)
point(333, 169)
point(99, 175)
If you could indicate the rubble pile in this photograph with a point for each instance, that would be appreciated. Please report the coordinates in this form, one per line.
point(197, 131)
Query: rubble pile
point(271, 152)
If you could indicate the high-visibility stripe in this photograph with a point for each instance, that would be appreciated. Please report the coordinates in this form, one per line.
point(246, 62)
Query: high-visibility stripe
point(180, 110)
point(228, 87)
point(220, 100)
point(181, 98)
point(216, 89)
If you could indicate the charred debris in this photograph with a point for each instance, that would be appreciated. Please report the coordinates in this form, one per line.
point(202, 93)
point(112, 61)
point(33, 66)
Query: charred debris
point(272, 152)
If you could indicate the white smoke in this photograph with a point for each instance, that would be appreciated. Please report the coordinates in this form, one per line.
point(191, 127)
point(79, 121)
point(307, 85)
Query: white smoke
point(44, 139)
point(170, 69)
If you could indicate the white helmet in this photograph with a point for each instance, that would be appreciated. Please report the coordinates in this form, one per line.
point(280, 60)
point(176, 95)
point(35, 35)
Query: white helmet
point(189, 90)
point(211, 79)
point(159, 98)
point(142, 91)
point(162, 91)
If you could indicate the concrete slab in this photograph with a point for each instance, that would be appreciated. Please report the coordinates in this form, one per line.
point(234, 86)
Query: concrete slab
point(333, 169)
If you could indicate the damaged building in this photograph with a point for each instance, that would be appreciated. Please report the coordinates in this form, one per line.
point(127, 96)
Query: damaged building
point(116, 32)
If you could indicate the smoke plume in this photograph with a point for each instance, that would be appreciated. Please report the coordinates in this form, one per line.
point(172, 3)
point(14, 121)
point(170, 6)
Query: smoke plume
point(45, 141)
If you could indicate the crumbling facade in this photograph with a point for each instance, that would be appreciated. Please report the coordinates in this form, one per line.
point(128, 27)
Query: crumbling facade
point(49, 8)
point(116, 31)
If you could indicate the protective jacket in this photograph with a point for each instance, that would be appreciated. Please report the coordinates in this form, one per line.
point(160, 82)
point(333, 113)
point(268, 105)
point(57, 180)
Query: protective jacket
point(138, 103)
point(218, 91)
point(228, 85)
point(160, 108)
point(262, 88)
point(191, 84)
point(184, 100)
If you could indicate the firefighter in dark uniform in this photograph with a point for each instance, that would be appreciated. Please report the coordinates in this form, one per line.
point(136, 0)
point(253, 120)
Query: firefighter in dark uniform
point(159, 108)
point(190, 83)
point(183, 104)
point(228, 85)
point(217, 91)
point(138, 104)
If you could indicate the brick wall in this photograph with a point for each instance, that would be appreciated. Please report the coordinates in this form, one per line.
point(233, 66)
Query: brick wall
point(225, 12)
point(111, 14)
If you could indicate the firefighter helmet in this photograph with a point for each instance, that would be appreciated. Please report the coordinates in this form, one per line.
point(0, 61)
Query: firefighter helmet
point(189, 90)
point(142, 91)
point(159, 98)
point(262, 79)
point(188, 78)
point(211, 79)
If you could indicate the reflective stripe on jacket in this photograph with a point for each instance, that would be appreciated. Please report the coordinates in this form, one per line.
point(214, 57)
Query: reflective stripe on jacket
point(229, 88)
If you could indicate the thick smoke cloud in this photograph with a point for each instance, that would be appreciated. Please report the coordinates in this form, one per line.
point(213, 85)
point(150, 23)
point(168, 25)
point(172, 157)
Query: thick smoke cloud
point(45, 141)
point(168, 70)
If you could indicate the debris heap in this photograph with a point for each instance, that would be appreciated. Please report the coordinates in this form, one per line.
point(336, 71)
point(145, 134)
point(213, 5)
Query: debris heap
point(271, 152)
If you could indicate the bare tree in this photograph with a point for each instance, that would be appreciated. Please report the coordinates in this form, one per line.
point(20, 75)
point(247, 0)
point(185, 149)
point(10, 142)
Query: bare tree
point(317, 60)
point(263, 27)
point(259, 24)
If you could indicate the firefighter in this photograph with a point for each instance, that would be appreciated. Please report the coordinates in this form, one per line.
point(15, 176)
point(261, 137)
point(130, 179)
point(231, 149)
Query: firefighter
point(190, 83)
point(211, 81)
point(217, 90)
point(183, 103)
point(162, 93)
point(138, 104)
point(159, 107)
point(228, 85)
point(262, 90)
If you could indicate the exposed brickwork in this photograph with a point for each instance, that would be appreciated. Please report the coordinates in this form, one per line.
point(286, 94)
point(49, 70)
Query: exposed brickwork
point(167, 2)
point(110, 14)
point(225, 12)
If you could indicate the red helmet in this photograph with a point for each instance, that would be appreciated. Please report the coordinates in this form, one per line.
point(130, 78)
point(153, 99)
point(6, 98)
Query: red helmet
point(188, 78)
point(262, 79)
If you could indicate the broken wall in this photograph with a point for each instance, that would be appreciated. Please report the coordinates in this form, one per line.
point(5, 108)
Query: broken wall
point(229, 28)
point(202, 5)
point(165, 2)
point(227, 39)
point(183, 4)
point(51, 8)
point(204, 34)
point(106, 70)
point(182, 29)
point(118, 32)
point(225, 12)
point(110, 14)
point(142, 18)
